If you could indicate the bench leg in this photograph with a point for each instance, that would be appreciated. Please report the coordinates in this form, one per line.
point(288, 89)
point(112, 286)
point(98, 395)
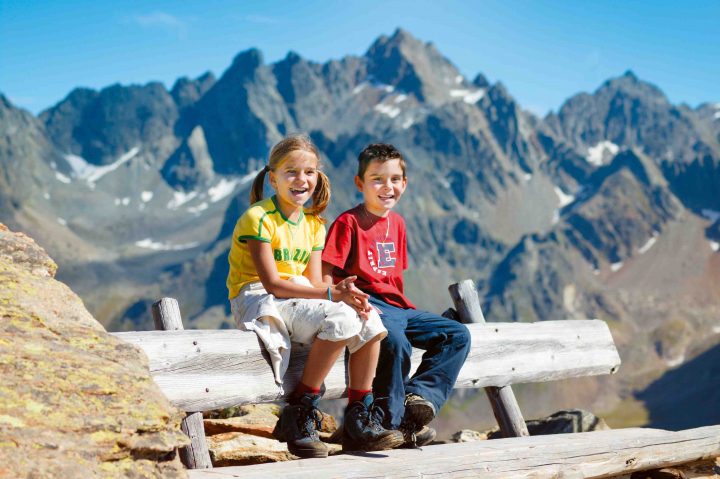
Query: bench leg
point(197, 454)
point(502, 399)
point(166, 315)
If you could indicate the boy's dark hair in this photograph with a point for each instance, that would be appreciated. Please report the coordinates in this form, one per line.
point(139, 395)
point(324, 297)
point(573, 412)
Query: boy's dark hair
point(381, 152)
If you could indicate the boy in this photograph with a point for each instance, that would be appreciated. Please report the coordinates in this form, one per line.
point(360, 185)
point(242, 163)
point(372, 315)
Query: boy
point(369, 242)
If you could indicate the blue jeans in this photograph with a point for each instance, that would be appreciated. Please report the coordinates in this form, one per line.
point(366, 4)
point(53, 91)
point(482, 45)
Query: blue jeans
point(446, 343)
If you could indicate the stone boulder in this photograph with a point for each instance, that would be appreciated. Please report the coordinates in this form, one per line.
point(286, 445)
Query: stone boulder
point(561, 422)
point(242, 435)
point(74, 401)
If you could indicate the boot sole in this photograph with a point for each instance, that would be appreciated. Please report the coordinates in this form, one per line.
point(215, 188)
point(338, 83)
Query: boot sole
point(304, 454)
point(421, 414)
point(391, 441)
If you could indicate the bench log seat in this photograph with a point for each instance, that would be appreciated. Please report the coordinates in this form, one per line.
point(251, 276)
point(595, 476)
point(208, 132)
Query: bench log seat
point(570, 456)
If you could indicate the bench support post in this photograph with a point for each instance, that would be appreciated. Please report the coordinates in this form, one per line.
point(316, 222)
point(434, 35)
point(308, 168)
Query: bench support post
point(502, 399)
point(166, 314)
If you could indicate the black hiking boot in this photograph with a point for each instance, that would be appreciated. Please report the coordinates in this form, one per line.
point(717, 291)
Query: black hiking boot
point(298, 425)
point(362, 429)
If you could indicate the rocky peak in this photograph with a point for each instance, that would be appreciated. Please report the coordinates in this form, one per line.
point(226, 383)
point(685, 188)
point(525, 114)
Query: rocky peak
point(481, 81)
point(185, 92)
point(101, 127)
point(243, 65)
point(407, 64)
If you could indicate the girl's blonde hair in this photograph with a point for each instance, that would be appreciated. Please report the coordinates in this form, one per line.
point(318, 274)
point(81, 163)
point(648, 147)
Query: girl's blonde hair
point(321, 195)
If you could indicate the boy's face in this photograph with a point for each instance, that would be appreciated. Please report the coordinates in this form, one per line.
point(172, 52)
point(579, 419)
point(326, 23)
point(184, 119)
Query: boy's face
point(382, 185)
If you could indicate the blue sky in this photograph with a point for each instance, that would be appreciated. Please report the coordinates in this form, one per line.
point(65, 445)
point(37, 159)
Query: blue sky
point(543, 51)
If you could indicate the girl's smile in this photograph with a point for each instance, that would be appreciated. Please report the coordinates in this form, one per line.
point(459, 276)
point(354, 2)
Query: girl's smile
point(294, 182)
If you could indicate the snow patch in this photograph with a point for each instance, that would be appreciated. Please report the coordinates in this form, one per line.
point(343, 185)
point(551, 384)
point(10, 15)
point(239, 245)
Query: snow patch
point(459, 79)
point(408, 123)
point(715, 245)
point(400, 98)
point(92, 173)
point(62, 221)
point(556, 216)
point(146, 196)
point(676, 361)
point(197, 209)
point(387, 88)
point(387, 110)
point(597, 153)
point(444, 182)
point(222, 189)
point(359, 88)
point(148, 243)
point(527, 177)
point(596, 272)
point(61, 178)
point(716, 116)
point(716, 329)
point(644, 248)
point(616, 266)
point(180, 198)
point(46, 195)
point(468, 96)
point(563, 198)
point(712, 215)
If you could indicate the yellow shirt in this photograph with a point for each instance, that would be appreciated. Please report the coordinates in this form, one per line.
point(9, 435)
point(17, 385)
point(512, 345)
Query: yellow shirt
point(291, 243)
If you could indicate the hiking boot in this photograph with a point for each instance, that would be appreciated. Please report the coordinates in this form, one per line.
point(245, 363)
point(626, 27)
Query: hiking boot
point(362, 429)
point(415, 439)
point(298, 425)
point(418, 410)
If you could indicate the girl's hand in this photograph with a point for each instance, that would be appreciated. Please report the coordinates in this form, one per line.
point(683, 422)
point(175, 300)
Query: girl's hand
point(347, 292)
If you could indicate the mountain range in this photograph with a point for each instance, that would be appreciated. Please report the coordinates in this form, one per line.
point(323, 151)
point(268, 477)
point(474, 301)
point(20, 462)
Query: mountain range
point(608, 208)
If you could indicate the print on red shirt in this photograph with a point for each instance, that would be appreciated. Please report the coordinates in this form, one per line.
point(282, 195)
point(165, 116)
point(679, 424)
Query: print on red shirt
point(373, 249)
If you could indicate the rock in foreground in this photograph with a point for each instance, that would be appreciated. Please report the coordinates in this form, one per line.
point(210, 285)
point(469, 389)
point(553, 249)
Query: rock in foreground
point(74, 401)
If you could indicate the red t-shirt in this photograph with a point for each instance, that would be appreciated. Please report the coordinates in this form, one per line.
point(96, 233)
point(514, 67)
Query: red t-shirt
point(372, 248)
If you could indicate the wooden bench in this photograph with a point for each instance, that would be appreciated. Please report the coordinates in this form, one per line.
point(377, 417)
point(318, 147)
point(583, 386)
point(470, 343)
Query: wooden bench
point(200, 370)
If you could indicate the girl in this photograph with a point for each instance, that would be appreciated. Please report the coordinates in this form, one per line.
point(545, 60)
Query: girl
point(276, 289)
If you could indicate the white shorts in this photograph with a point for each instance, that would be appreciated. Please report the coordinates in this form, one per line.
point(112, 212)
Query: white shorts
point(301, 320)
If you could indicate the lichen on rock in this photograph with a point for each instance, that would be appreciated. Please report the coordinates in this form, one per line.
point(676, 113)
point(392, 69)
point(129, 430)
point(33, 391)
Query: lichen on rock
point(74, 400)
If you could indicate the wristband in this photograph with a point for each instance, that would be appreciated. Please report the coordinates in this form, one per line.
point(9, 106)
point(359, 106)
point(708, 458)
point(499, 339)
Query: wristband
point(329, 294)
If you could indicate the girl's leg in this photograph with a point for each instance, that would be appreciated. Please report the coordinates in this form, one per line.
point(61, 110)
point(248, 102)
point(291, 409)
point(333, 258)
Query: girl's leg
point(363, 364)
point(323, 355)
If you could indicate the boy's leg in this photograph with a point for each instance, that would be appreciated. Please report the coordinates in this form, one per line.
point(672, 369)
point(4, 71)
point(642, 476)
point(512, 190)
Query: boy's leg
point(393, 364)
point(446, 343)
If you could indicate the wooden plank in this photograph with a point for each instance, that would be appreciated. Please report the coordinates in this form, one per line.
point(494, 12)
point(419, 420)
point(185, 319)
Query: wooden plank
point(597, 454)
point(502, 399)
point(166, 315)
point(200, 370)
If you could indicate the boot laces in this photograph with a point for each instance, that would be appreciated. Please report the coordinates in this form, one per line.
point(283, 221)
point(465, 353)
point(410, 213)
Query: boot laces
point(310, 422)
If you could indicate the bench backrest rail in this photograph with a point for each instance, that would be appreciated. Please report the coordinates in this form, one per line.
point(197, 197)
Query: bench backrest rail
point(200, 370)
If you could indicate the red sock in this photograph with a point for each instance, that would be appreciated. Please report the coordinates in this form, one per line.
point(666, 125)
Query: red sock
point(357, 394)
point(302, 388)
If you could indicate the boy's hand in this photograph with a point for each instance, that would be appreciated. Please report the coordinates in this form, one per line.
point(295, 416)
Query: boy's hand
point(350, 294)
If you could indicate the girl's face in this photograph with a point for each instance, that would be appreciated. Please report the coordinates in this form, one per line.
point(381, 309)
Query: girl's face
point(294, 180)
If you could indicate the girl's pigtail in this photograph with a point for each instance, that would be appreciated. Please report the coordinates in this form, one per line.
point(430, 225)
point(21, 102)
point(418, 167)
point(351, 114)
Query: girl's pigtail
point(321, 196)
point(256, 192)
